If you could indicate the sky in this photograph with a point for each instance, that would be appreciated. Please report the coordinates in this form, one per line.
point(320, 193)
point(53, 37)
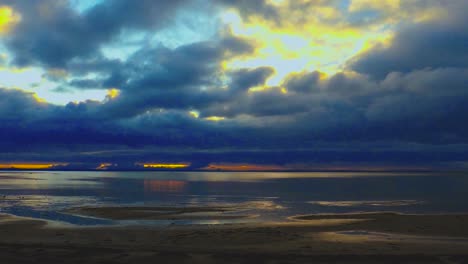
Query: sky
point(234, 84)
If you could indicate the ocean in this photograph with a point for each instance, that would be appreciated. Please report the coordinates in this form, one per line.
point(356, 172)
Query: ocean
point(269, 196)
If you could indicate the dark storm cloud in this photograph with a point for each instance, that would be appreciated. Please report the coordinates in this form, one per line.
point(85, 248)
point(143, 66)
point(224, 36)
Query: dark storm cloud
point(305, 82)
point(27, 122)
point(183, 78)
point(421, 106)
point(51, 33)
point(431, 45)
point(97, 64)
point(325, 121)
point(236, 46)
point(247, 78)
point(259, 104)
point(16, 105)
point(86, 83)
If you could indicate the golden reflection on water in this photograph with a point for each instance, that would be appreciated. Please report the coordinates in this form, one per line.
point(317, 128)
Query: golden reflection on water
point(162, 186)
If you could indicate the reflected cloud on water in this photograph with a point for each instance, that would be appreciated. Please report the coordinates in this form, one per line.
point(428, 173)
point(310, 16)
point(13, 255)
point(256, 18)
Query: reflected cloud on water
point(271, 195)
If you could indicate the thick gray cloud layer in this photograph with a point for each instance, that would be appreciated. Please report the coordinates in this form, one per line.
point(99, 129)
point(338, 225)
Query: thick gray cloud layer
point(435, 44)
point(52, 33)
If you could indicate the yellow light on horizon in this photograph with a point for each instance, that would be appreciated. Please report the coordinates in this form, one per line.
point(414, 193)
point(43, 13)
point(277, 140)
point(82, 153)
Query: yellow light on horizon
point(104, 166)
point(243, 167)
point(215, 118)
point(30, 166)
point(164, 165)
point(194, 114)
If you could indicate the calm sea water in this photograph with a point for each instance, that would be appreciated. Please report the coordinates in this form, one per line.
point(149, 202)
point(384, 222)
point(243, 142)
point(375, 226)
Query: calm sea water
point(273, 196)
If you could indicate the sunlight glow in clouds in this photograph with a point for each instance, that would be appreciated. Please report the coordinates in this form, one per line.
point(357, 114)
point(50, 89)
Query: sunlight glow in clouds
point(8, 18)
point(313, 46)
point(113, 93)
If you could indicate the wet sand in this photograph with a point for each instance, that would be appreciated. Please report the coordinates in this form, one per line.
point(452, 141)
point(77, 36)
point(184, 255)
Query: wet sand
point(221, 212)
point(158, 213)
point(351, 238)
point(427, 225)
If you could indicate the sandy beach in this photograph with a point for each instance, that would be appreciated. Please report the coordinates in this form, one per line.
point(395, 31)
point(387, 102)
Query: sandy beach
point(345, 238)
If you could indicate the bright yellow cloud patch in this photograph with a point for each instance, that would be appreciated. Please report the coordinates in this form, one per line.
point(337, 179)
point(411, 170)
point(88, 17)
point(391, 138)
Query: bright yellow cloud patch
point(320, 35)
point(113, 93)
point(39, 99)
point(320, 41)
point(8, 18)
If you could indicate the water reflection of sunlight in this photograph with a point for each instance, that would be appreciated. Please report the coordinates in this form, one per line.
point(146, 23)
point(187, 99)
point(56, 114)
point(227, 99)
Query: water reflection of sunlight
point(238, 176)
point(388, 203)
point(46, 202)
point(169, 186)
point(45, 180)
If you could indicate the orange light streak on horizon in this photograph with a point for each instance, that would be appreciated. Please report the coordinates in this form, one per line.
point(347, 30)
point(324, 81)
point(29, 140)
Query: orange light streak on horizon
point(164, 165)
point(26, 166)
point(104, 166)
